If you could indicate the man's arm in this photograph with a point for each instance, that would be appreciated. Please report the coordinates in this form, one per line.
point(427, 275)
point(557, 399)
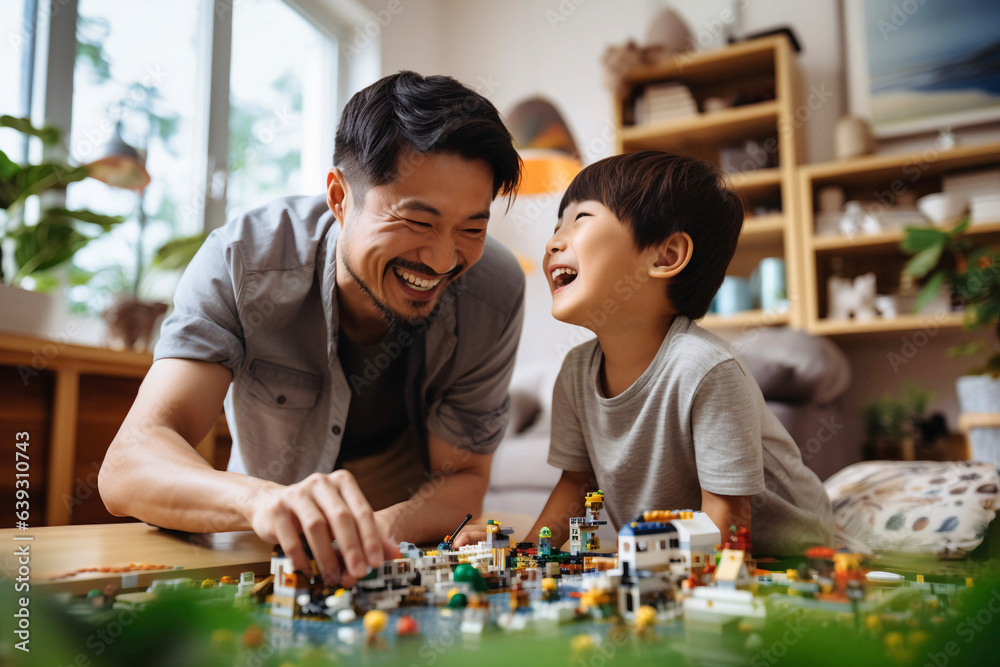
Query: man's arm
point(456, 486)
point(152, 472)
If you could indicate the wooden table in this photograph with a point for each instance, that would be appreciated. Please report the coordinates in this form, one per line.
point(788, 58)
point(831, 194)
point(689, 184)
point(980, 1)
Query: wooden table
point(58, 550)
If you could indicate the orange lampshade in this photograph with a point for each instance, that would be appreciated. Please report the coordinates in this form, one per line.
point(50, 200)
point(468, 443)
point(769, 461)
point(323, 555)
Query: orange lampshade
point(547, 171)
point(120, 165)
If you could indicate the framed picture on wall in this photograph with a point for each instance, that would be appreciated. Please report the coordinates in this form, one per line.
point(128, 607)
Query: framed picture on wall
point(923, 65)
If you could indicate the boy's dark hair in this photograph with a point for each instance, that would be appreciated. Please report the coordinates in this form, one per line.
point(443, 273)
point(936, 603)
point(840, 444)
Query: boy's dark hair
point(435, 114)
point(656, 195)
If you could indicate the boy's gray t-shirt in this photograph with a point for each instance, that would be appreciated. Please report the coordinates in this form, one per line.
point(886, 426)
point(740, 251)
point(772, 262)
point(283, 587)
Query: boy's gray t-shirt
point(694, 419)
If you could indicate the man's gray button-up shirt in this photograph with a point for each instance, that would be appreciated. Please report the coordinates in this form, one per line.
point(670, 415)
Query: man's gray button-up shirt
point(260, 299)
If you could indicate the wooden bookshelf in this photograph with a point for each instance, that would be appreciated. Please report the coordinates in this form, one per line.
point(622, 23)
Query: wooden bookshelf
point(767, 61)
point(878, 179)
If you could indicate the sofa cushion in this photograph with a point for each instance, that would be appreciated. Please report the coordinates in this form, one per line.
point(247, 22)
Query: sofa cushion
point(939, 507)
point(794, 367)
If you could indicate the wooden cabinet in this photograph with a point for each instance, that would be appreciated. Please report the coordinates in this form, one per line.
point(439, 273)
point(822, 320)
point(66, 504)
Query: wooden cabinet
point(71, 400)
point(878, 181)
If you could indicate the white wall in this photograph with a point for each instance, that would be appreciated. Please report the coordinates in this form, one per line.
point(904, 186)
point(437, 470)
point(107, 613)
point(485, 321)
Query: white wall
point(514, 49)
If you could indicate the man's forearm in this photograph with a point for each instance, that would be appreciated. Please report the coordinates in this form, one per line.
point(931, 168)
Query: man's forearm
point(181, 491)
point(436, 509)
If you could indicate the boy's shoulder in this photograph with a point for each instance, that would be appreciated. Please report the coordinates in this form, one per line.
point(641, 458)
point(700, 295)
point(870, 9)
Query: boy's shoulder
point(694, 349)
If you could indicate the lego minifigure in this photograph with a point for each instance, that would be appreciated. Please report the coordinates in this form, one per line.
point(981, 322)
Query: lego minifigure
point(545, 541)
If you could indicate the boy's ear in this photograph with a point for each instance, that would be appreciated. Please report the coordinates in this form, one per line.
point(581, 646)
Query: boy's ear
point(672, 256)
point(338, 193)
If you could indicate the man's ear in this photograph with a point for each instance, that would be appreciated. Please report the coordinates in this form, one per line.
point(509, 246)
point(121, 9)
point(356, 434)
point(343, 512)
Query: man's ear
point(672, 256)
point(338, 193)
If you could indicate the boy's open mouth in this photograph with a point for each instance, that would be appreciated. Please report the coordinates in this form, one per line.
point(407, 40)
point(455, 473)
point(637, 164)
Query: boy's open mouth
point(562, 276)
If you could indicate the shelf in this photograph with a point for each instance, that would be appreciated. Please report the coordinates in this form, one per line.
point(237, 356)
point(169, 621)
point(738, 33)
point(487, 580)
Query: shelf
point(715, 127)
point(759, 179)
point(898, 324)
point(750, 319)
point(906, 167)
point(887, 239)
point(763, 230)
point(731, 62)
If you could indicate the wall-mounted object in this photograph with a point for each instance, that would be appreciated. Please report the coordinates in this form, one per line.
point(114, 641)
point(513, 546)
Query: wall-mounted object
point(922, 66)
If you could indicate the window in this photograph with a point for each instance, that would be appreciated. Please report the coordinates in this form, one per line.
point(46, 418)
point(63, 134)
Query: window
point(16, 34)
point(661, 545)
point(675, 543)
point(153, 65)
point(139, 64)
point(283, 76)
point(640, 546)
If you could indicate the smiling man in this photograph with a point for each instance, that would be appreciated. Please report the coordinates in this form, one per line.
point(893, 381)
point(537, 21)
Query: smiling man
point(361, 342)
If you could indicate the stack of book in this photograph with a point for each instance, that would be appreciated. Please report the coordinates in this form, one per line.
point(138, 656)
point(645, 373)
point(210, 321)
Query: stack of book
point(663, 102)
point(981, 187)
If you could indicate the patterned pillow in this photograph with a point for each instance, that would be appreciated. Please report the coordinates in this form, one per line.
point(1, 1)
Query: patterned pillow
point(913, 506)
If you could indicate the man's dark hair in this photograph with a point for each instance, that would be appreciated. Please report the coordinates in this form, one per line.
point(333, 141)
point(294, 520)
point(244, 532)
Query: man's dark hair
point(656, 195)
point(407, 112)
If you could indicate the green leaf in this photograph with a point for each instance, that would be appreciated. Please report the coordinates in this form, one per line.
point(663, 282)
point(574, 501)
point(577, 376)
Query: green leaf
point(37, 178)
point(921, 238)
point(45, 246)
point(106, 222)
point(967, 350)
point(49, 134)
point(44, 282)
point(178, 253)
point(960, 228)
point(925, 260)
point(76, 276)
point(929, 291)
point(8, 168)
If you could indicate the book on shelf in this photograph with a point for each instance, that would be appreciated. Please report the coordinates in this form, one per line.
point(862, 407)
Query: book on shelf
point(660, 103)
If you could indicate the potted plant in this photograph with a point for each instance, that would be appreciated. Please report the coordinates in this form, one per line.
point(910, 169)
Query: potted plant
point(950, 258)
point(33, 250)
point(131, 320)
point(900, 428)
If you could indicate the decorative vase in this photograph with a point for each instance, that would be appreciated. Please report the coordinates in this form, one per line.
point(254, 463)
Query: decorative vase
point(979, 398)
point(131, 323)
point(852, 136)
point(25, 312)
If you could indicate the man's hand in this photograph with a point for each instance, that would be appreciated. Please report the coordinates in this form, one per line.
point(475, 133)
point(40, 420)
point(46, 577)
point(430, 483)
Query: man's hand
point(323, 508)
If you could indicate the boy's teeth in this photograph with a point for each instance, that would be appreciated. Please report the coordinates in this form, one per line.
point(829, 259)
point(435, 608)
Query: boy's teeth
point(419, 284)
point(563, 269)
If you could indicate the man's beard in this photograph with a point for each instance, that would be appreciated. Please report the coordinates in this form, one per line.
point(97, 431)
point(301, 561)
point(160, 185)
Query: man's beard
point(392, 318)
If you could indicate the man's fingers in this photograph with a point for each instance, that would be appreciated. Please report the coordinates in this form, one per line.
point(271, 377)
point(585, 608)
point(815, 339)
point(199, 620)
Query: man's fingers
point(288, 537)
point(317, 532)
point(345, 530)
point(373, 541)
